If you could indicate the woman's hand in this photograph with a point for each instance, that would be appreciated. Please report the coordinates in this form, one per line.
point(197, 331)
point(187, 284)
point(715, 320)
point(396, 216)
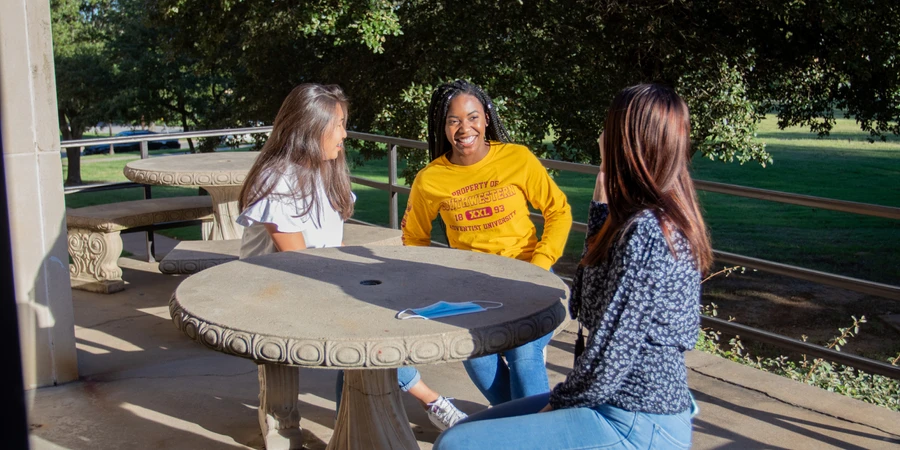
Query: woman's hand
point(547, 408)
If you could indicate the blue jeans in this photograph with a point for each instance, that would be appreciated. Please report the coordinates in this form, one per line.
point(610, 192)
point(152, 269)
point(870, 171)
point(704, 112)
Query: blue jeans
point(522, 375)
point(515, 425)
point(407, 377)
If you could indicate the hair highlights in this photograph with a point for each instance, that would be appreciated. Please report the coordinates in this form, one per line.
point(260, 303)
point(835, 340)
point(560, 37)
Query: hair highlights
point(646, 151)
point(295, 146)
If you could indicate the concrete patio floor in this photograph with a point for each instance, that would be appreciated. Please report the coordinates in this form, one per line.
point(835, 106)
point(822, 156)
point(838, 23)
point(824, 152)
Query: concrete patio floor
point(145, 385)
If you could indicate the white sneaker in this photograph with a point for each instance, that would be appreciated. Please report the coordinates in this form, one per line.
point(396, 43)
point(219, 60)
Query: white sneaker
point(444, 414)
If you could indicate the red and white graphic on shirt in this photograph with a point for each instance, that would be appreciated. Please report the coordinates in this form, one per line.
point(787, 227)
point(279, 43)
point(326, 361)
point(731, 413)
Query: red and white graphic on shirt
point(480, 202)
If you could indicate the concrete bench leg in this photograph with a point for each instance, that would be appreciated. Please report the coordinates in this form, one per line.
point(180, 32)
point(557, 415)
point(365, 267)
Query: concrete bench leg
point(95, 260)
point(279, 413)
point(207, 230)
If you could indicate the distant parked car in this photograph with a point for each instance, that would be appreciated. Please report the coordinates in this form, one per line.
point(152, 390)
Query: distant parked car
point(132, 146)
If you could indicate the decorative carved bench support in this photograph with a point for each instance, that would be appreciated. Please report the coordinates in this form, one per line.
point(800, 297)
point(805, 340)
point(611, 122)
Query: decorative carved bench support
point(94, 260)
point(279, 413)
point(382, 422)
point(95, 241)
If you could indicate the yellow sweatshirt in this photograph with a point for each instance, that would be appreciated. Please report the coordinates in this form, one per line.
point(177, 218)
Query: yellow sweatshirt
point(485, 206)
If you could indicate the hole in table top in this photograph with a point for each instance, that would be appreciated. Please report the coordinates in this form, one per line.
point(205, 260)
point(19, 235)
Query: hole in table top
point(370, 282)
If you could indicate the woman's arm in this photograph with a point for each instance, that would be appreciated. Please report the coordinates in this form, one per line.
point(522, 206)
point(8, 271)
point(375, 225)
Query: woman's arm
point(542, 192)
point(416, 223)
point(285, 242)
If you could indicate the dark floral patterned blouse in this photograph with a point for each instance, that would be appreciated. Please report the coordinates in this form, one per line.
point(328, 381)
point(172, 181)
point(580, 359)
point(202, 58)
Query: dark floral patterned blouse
point(641, 309)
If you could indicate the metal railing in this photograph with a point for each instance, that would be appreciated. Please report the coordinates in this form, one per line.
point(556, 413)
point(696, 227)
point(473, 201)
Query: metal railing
point(394, 189)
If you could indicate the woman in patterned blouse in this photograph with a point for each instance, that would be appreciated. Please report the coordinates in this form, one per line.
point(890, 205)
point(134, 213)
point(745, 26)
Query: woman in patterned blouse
point(636, 291)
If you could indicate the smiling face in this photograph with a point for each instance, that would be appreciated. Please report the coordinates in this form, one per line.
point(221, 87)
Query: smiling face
point(335, 133)
point(465, 129)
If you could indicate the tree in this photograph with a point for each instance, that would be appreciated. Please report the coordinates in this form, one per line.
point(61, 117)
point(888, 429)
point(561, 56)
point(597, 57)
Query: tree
point(163, 76)
point(85, 78)
point(552, 66)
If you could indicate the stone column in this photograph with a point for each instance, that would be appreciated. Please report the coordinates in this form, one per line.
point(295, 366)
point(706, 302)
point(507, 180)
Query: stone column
point(31, 156)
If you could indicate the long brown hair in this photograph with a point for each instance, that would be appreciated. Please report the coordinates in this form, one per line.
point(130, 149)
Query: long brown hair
point(645, 152)
point(295, 145)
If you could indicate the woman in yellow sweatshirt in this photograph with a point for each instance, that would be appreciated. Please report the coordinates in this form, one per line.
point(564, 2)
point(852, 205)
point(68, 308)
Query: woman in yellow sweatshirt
point(481, 185)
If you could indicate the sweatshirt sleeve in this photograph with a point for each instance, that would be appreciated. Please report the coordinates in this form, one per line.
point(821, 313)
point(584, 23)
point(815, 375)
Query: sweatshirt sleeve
point(416, 223)
point(543, 193)
point(613, 345)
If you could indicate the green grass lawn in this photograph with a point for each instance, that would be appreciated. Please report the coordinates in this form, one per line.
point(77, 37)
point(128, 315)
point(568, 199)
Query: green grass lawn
point(842, 166)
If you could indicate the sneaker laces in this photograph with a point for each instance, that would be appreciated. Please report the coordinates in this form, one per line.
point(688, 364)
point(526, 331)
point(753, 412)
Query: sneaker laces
point(445, 411)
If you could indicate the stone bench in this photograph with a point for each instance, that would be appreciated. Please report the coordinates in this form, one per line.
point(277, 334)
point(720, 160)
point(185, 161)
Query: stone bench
point(193, 256)
point(95, 243)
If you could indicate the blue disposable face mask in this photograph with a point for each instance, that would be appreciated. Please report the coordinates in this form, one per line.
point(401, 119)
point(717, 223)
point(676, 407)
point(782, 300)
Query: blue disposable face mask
point(446, 309)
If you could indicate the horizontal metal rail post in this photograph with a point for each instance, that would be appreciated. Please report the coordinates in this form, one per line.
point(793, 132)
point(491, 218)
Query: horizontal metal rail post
point(163, 226)
point(865, 209)
point(101, 187)
point(164, 136)
point(570, 166)
point(380, 185)
point(853, 284)
point(868, 365)
point(390, 140)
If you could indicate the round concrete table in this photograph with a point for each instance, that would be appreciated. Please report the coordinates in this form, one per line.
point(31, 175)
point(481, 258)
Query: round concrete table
point(220, 174)
point(335, 308)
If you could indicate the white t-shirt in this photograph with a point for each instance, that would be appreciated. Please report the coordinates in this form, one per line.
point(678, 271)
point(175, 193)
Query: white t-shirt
point(284, 210)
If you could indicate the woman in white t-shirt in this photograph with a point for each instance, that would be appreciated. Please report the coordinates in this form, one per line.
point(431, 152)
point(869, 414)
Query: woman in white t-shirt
point(297, 194)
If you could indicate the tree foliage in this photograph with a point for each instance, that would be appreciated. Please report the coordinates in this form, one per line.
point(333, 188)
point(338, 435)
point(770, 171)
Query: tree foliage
point(551, 66)
point(85, 78)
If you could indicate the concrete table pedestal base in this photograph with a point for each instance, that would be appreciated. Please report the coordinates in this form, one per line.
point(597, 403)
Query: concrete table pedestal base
point(279, 413)
point(226, 211)
point(371, 414)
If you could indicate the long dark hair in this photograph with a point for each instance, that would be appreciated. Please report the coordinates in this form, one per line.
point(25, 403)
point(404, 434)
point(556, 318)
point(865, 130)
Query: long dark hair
point(646, 148)
point(295, 145)
point(438, 145)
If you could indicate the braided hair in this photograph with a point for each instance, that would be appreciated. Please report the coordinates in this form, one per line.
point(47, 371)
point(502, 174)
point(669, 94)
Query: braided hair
point(438, 145)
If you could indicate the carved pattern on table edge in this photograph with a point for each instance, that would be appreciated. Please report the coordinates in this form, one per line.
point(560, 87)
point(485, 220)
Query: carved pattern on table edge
point(185, 178)
point(298, 348)
point(278, 350)
point(490, 338)
point(335, 349)
point(453, 352)
point(393, 348)
point(422, 351)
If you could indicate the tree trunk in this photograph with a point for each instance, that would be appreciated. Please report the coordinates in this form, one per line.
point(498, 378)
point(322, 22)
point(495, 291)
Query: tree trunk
point(73, 155)
point(186, 127)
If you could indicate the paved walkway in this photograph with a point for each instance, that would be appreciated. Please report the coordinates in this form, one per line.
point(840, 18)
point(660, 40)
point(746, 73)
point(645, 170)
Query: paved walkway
point(145, 385)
